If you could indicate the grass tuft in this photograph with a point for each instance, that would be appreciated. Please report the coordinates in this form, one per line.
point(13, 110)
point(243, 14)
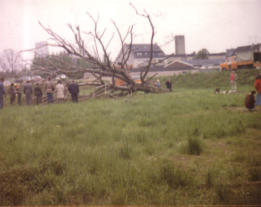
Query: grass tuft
point(194, 146)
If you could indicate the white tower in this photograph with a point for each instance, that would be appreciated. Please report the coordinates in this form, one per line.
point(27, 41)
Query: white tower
point(180, 45)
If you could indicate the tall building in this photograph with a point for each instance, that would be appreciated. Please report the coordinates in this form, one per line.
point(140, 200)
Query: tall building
point(41, 49)
point(180, 45)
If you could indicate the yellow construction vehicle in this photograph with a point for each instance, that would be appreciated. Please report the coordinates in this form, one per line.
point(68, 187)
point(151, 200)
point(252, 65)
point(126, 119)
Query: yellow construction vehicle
point(233, 62)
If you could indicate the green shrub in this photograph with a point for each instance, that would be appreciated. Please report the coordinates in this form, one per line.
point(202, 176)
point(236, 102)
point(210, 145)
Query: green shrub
point(254, 174)
point(125, 152)
point(224, 194)
point(194, 146)
point(210, 178)
point(17, 183)
point(174, 176)
point(255, 160)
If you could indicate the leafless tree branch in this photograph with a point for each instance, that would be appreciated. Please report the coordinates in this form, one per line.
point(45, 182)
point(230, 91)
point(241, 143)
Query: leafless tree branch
point(104, 67)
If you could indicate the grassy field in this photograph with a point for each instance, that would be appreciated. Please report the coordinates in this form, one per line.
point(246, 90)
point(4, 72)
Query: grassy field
point(190, 146)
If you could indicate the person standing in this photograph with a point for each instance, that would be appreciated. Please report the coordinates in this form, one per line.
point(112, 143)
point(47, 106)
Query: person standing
point(157, 84)
point(169, 85)
point(49, 90)
point(28, 90)
point(233, 81)
point(257, 85)
point(2, 92)
point(74, 91)
point(11, 92)
point(18, 93)
point(59, 88)
point(38, 93)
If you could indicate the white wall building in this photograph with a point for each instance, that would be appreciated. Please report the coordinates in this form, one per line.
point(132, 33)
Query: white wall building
point(140, 54)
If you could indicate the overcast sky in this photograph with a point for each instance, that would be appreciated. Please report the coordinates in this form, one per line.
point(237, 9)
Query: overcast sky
point(213, 24)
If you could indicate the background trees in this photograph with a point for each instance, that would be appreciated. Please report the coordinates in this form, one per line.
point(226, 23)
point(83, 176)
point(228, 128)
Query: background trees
point(202, 54)
point(10, 61)
point(61, 63)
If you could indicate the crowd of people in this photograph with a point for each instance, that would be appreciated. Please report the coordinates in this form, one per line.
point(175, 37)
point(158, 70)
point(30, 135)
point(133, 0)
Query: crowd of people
point(52, 90)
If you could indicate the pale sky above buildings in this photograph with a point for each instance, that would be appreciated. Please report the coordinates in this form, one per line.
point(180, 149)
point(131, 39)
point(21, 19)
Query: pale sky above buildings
point(213, 24)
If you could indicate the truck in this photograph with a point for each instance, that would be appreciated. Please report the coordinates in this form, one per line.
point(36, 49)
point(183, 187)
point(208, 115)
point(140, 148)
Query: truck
point(237, 62)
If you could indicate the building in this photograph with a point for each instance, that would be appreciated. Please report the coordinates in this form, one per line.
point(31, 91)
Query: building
point(213, 61)
point(245, 53)
point(216, 56)
point(179, 65)
point(41, 49)
point(140, 54)
point(180, 45)
point(206, 63)
point(248, 56)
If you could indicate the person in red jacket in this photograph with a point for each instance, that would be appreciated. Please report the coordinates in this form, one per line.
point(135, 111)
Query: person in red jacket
point(233, 81)
point(257, 85)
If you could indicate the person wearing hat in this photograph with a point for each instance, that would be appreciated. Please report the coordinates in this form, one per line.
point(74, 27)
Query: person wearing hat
point(158, 83)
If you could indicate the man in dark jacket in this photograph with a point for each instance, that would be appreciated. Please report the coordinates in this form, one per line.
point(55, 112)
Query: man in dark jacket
point(250, 100)
point(2, 93)
point(49, 88)
point(12, 94)
point(28, 90)
point(38, 93)
point(74, 91)
point(169, 85)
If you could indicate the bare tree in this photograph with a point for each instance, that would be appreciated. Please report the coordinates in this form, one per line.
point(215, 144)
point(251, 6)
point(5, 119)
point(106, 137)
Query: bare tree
point(10, 61)
point(57, 64)
point(105, 67)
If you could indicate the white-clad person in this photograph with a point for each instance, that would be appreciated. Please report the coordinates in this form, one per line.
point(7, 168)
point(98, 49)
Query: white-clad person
point(59, 89)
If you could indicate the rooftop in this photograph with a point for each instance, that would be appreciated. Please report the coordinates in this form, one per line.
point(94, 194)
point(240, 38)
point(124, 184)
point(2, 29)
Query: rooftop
point(143, 47)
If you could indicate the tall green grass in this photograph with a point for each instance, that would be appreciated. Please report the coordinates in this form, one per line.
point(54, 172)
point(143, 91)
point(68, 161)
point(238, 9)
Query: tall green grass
point(127, 151)
point(214, 79)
